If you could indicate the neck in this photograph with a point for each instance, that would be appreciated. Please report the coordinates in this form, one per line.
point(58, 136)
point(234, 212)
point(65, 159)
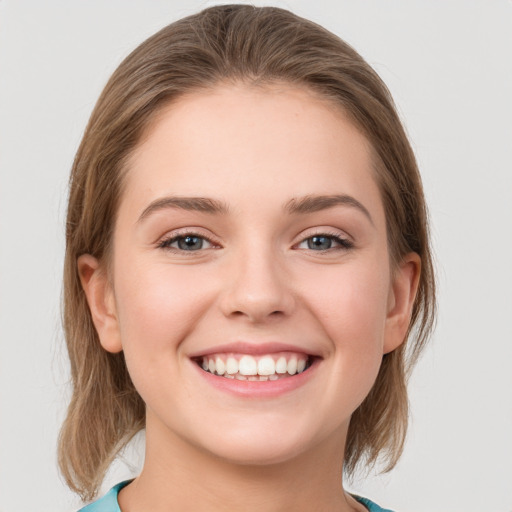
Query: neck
point(178, 476)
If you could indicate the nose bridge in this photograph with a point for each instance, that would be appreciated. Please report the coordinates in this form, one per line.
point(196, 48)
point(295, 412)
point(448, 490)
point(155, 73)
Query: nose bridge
point(257, 288)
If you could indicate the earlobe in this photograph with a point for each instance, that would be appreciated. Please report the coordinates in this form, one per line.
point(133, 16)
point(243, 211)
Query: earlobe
point(100, 298)
point(401, 301)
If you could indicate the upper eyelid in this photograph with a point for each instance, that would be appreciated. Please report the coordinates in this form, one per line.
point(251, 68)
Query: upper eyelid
point(307, 233)
point(338, 238)
point(341, 238)
point(165, 243)
point(325, 231)
point(187, 231)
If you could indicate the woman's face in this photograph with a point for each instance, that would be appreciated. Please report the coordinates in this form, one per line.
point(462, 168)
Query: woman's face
point(251, 289)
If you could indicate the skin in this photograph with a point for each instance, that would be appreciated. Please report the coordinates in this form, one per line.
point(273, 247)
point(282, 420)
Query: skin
point(256, 281)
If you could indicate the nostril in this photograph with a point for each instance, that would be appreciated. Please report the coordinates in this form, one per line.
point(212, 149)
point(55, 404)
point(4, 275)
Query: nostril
point(255, 315)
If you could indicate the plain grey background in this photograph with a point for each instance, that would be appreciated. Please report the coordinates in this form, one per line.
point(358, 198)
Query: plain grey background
point(449, 67)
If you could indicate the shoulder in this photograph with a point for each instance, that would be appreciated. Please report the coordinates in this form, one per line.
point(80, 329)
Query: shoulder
point(107, 503)
point(370, 505)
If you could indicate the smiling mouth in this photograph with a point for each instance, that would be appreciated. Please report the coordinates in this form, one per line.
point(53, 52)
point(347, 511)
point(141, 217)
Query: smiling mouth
point(269, 367)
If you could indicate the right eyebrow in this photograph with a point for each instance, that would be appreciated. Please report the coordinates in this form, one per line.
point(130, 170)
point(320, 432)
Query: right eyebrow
point(197, 204)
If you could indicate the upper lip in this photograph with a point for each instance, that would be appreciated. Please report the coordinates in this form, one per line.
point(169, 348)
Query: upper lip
point(253, 348)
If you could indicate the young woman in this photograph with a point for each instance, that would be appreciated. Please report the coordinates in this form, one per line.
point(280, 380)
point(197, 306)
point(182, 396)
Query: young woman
point(247, 257)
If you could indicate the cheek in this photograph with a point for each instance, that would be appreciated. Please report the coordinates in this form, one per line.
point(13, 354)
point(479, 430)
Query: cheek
point(157, 306)
point(352, 310)
point(352, 302)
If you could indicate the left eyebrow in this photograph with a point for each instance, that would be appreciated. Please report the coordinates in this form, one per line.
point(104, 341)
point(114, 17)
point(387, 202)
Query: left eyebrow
point(308, 204)
point(197, 204)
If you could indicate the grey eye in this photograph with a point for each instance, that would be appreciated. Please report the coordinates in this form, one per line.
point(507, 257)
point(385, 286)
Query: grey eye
point(319, 243)
point(186, 243)
point(189, 243)
point(325, 242)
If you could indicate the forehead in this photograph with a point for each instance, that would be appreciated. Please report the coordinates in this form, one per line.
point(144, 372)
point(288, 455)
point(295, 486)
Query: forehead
point(261, 142)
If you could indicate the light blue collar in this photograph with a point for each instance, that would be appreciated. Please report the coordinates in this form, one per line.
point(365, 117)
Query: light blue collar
point(109, 502)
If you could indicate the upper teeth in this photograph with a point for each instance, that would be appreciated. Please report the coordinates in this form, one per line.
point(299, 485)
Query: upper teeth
point(246, 365)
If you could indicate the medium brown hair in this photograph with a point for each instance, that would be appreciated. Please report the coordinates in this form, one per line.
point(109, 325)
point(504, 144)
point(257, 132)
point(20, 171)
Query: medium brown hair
point(251, 45)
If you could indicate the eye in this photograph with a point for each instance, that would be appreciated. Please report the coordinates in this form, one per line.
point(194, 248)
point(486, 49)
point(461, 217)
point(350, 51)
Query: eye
point(189, 242)
point(325, 242)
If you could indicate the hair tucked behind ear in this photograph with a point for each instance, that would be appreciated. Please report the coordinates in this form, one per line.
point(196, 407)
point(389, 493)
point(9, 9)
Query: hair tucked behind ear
point(240, 44)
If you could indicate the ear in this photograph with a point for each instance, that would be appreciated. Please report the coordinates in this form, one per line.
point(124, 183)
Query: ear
point(401, 300)
point(100, 298)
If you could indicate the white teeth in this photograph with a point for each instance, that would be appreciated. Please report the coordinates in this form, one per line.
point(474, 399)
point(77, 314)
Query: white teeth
point(231, 366)
point(292, 366)
point(248, 366)
point(266, 366)
point(220, 366)
point(254, 368)
point(281, 365)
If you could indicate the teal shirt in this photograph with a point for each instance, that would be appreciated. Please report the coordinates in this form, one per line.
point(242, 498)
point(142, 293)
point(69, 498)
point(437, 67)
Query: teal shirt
point(109, 502)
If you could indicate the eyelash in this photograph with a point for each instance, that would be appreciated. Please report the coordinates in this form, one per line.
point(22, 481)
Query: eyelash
point(168, 241)
point(343, 244)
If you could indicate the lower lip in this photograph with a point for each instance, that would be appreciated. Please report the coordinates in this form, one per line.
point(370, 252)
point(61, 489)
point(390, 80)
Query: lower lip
point(259, 389)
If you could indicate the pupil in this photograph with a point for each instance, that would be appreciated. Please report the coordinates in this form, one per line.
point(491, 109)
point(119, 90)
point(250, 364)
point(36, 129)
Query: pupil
point(190, 243)
point(319, 243)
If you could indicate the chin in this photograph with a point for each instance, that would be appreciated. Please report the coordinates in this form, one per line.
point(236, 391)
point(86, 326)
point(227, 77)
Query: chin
point(268, 441)
point(258, 453)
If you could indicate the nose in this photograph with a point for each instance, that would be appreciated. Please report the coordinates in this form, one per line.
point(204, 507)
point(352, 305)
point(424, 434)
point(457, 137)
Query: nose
point(258, 288)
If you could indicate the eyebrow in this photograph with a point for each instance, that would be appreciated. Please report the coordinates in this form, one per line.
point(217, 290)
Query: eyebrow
point(297, 205)
point(309, 204)
point(196, 204)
